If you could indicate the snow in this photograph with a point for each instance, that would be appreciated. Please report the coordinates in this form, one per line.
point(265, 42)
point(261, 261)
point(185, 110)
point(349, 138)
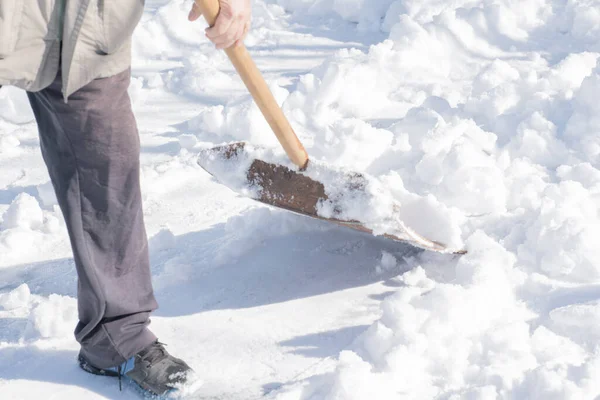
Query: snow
point(16, 298)
point(477, 120)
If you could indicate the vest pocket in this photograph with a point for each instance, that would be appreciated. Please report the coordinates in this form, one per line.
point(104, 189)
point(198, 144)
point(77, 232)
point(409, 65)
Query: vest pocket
point(11, 14)
point(117, 21)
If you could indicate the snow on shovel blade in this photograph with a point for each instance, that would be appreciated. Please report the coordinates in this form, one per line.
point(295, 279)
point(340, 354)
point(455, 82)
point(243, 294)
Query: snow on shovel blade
point(241, 167)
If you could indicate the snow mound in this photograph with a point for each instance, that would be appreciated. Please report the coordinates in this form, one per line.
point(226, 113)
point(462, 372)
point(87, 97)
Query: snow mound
point(388, 263)
point(468, 339)
point(368, 14)
point(187, 141)
point(51, 317)
point(239, 120)
point(562, 238)
point(24, 212)
point(16, 298)
point(583, 127)
point(136, 94)
point(484, 111)
point(8, 142)
point(54, 317)
point(162, 240)
point(14, 106)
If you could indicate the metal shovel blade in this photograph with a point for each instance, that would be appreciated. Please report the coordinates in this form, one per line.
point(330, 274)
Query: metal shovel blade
point(279, 186)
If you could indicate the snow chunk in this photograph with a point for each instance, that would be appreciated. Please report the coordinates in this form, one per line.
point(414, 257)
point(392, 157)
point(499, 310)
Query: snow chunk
point(14, 106)
point(136, 91)
point(575, 68)
point(24, 212)
point(16, 298)
point(155, 81)
point(585, 19)
point(583, 173)
point(55, 317)
point(367, 13)
point(164, 239)
point(187, 141)
point(552, 349)
point(8, 143)
point(201, 75)
point(527, 183)
point(240, 120)
point(354, 380)
point(583, 128)
point(435, 338)
point(354, 144)
point(536, 140)
point(417, 277)
point(562, 240)
point(388, 263)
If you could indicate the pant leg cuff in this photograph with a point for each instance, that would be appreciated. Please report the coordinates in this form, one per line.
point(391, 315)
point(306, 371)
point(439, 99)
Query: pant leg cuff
point(103, 353)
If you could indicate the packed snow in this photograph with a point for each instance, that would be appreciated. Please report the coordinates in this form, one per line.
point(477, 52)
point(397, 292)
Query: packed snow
point(479, 118)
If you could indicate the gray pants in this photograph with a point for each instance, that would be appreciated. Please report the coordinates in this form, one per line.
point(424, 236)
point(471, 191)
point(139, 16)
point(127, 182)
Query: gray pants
point(91, 148)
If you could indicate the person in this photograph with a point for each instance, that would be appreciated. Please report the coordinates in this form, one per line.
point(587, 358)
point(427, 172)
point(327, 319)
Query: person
point(73, 58)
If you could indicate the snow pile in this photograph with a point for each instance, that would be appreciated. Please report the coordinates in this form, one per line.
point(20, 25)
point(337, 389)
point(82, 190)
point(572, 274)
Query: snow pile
point(25, 227)
point(14, 106)
point(135, 91)
point(162, 240)
point(16, 298)
point(187, 141)
point(388, 263)
point(54, 317)
point(24, 212)
point(562, 240)
point(200, 76)
point(161, 38)
point(583, 127)
point(367, 13)
point(155, 37)
point(51, 317)
point(241, 120)
point(471, 338)
point(8, 142)
point(438, 338)
point(486, 109)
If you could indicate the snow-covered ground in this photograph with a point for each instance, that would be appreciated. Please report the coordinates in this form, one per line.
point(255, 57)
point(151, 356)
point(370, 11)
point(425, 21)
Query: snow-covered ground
point(480, 117)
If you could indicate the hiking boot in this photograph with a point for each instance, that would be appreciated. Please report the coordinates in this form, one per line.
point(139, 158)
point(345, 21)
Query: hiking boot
point(153, 369)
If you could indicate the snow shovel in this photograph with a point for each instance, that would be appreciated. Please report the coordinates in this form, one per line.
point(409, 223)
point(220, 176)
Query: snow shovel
point(294, 187)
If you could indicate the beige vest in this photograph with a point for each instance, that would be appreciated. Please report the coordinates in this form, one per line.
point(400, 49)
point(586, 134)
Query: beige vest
point(96, 41)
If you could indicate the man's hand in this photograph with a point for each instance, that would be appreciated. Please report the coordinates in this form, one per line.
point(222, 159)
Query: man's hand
point(232, 24)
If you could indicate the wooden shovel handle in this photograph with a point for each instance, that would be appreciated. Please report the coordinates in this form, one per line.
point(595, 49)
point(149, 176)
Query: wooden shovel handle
point(258, 88)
